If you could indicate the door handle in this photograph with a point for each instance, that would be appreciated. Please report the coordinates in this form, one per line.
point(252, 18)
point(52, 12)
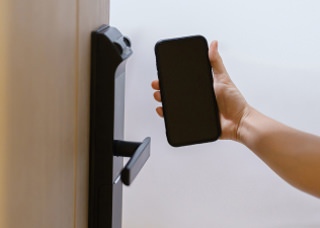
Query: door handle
point(138, 153)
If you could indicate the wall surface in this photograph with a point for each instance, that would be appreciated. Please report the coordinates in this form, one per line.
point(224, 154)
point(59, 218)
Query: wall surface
point(272, 52)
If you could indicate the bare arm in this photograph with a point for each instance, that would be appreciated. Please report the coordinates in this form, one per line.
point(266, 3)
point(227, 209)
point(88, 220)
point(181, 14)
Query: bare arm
point(292, 154)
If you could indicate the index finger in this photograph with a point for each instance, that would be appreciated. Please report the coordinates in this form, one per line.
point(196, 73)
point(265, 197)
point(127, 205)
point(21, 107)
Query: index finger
point(155, 85)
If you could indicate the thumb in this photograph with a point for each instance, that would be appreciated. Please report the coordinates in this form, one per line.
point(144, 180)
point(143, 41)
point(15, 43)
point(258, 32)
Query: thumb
point(215, 59)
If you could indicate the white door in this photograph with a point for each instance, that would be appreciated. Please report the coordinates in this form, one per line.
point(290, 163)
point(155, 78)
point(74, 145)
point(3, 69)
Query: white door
point(44, 110)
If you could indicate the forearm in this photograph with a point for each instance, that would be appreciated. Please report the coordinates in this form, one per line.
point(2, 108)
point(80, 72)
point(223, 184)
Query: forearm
point(292, 154)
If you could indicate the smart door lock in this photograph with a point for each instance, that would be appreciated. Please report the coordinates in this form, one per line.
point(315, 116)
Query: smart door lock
point(109, 53)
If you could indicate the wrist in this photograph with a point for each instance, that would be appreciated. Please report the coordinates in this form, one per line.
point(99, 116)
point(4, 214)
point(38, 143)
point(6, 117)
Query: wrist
point(247, 117)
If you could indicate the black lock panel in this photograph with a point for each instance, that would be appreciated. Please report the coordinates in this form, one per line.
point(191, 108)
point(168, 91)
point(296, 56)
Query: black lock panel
point(109, 52)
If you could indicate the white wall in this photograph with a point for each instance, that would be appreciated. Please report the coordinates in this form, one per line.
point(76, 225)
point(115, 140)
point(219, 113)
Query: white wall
point(272, 52)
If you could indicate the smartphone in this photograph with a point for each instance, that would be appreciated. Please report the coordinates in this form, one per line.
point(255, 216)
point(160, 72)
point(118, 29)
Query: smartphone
point(189, 104)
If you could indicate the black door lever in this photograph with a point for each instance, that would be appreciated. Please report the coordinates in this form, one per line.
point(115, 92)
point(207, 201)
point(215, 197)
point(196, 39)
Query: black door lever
point(139, 153)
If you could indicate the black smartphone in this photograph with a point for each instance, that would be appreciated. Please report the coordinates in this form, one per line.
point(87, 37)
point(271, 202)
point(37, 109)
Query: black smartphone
point(189, 104)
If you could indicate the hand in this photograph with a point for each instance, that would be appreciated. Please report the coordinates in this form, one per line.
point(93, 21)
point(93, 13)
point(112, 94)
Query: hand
point(292, 154)
point(232, 106)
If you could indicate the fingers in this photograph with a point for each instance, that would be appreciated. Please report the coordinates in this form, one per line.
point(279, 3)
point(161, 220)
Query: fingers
point(157, 96)
point(215, 59)
point(159, 111)
point(155, 85)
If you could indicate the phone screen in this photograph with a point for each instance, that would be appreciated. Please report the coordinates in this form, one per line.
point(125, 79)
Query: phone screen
point(186, 84)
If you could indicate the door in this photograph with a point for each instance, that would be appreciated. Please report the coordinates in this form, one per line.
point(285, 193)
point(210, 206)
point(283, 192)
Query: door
point(44, 110)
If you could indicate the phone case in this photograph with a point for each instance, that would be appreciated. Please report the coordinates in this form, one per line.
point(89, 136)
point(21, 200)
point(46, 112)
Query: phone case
point(211, 129)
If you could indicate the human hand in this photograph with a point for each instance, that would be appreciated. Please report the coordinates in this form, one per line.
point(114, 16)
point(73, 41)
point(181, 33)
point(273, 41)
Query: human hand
point(232, 106)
